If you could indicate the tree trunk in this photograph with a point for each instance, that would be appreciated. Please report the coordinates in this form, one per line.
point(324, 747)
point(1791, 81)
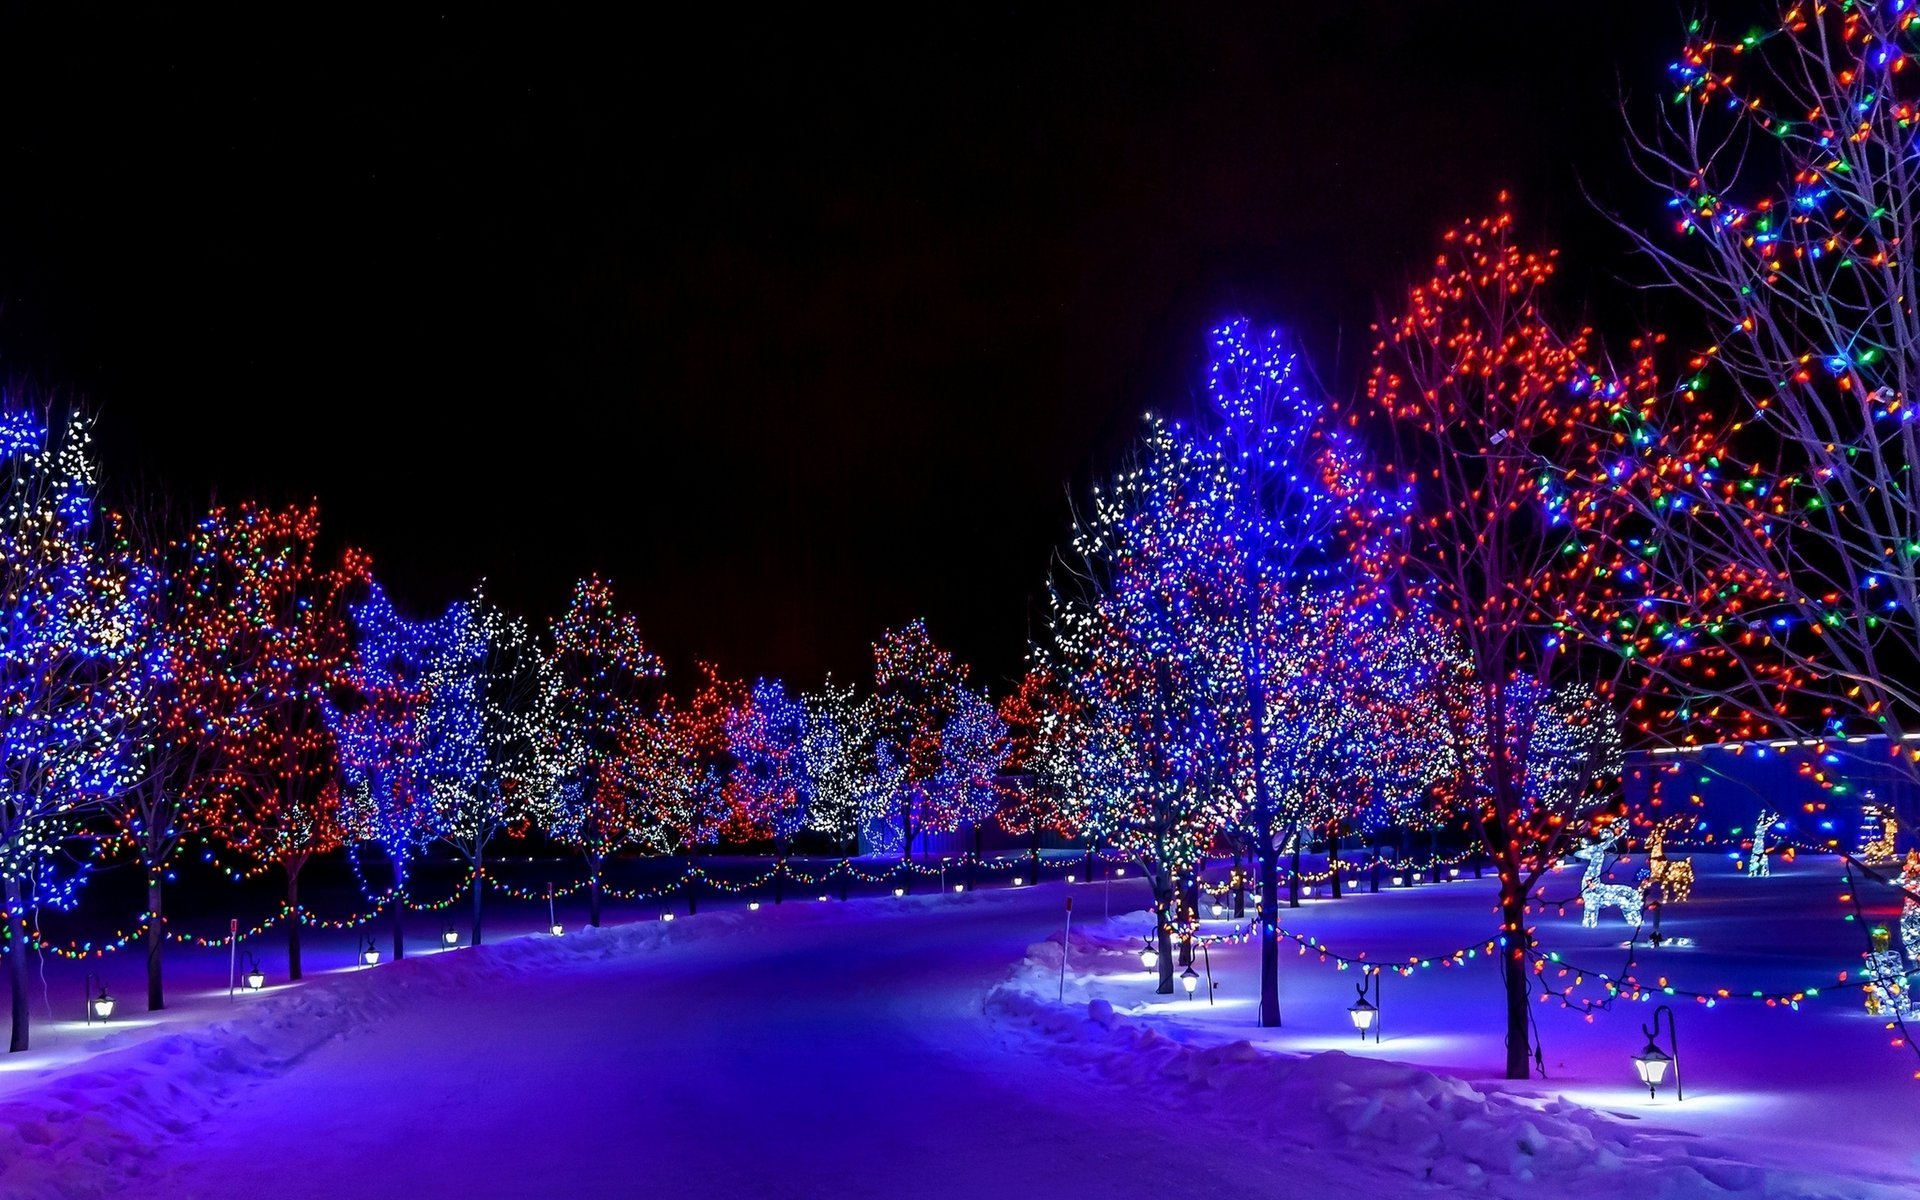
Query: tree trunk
point(1036, 854)
point(693, 878)
point(1373, 869)
point(846, 871)
point(294, 914)
point(156, 938)
point(1333, 855)
point(780, 866)
point(1514, 972)
point(1239, 885)
point(399, 923)
point(1190, 903)
point(1293, 885)
point(1267, 866)
point(1162, 910)
point(17, 964)
point(1433, 852)
point(973, 864)
point(593, 890)
point(479, 884)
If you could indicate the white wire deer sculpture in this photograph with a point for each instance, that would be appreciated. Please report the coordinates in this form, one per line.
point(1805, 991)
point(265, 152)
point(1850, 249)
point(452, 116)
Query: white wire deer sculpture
point(1757, 861)
point(1595, 895)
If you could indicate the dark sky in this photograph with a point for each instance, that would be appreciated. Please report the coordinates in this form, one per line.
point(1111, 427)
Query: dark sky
point(796, 325)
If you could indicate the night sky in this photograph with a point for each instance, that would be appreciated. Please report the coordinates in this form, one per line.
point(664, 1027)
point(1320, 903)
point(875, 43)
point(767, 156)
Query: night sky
point(796, 326)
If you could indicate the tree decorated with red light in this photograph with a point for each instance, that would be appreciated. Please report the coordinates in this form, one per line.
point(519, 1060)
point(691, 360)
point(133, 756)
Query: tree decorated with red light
point(696, 796)
point(1530, 469)
point(279, 614)
point(1037, 800)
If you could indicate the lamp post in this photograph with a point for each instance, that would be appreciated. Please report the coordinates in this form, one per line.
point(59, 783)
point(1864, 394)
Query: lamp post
point(1206, 956)
point(450, 937)
point(553, 924)
point(370, 953)
point(1190, 980)
point(1149, 956)
point(100, 1007)
point(1366, 1013)
point(1651, 1063)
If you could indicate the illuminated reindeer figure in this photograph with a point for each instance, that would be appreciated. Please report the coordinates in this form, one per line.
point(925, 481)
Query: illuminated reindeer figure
point(1595, 895)
point(1757, 861)
point(1674, 875)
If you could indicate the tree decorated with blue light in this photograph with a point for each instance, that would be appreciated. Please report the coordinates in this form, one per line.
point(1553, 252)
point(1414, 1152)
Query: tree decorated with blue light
point(73, 672)
point(409, 733)
point(767, 736)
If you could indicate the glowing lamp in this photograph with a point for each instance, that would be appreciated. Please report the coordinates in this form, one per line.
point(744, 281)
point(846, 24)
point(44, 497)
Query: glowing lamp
point(1399, 880)
point(823, 899)
point(666, 916)
point(556, 929)
point(1217, 910)
point(958, 887)
point(899, 891)
point(101, 1005)
point(1651, 1064)
point(1149, 957)
point(369, 956)
point(450, 936)
point(1190, 980)
point(1017, 881)
point(1453, 872)
point(1069, 879)
point(1363, 1014)
point(1119, 872)
point(753, 906)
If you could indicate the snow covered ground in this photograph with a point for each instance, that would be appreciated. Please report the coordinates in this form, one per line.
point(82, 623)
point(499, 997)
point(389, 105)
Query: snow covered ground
point(915, 1047)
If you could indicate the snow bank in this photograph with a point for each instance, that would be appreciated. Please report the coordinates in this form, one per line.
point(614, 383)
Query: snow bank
point(1428, 1127)
point(83, 1131)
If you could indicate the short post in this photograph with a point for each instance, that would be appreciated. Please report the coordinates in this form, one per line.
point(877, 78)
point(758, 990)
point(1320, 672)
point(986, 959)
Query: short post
point(233, 950)
point(1066, 935)
point(1206, 956)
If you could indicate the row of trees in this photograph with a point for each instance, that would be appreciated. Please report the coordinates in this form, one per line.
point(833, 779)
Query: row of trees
point(234, 684)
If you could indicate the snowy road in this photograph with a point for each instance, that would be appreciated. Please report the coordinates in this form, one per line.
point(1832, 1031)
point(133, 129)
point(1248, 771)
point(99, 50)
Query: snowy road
point(852, 1050)
point(813, 1055)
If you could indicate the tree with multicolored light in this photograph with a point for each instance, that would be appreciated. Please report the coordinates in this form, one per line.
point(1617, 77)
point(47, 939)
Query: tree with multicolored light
point(1785, 157)
point(285, 637)
point(600, 741)
point(73, 718)
point(917, 688)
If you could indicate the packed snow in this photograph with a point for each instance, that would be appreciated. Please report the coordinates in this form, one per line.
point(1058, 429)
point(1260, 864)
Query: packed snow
point(921, 1046)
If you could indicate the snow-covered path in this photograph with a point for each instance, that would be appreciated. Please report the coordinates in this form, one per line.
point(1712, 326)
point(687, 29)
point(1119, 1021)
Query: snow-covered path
point(807, 1054)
